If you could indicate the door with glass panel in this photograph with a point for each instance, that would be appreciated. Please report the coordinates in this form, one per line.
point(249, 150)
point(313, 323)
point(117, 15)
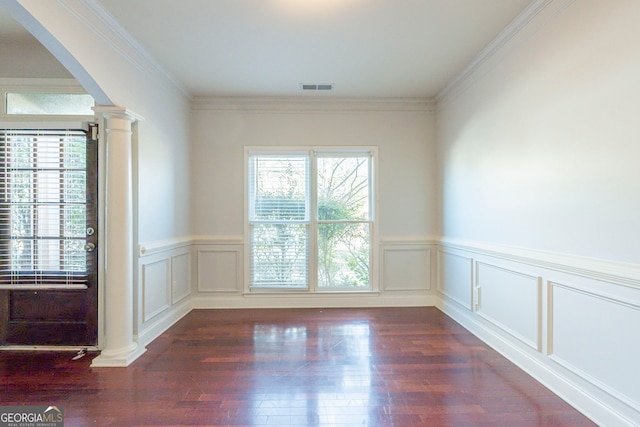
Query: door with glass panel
point(48, 238)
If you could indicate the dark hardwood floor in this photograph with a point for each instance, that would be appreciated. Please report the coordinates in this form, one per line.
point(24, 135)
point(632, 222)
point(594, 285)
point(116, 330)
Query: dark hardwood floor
point(303, 367)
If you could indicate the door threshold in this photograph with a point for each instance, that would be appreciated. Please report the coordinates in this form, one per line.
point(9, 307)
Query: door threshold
point(75, 348)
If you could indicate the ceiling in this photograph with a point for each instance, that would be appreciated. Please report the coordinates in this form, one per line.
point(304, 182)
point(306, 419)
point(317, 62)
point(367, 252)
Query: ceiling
point(365, 48)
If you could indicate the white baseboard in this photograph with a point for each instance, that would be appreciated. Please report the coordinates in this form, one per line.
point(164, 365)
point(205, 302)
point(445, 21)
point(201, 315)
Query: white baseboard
point(313, 301)
point(542, 370)
point(164, 322)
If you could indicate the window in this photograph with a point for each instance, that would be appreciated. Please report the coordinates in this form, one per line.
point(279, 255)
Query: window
point(310, 219)
point(63, 104)
point(44, 214)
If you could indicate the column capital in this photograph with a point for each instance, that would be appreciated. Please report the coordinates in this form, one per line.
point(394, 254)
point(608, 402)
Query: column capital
point(115, 112)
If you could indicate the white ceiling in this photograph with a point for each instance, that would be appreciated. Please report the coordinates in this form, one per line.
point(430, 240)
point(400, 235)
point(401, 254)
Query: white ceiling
point(366, 48)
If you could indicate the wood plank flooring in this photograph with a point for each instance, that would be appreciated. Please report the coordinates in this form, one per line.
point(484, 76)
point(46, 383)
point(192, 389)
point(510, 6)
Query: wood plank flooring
point(294, 367)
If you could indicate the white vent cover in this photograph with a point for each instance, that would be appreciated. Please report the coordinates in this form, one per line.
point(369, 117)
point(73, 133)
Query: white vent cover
point(315, 86)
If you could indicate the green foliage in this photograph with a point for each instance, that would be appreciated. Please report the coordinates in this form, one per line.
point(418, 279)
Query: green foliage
point(279, 248)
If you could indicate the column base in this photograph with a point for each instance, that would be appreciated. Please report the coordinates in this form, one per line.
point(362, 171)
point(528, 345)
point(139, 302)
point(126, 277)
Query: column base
point(119, 358)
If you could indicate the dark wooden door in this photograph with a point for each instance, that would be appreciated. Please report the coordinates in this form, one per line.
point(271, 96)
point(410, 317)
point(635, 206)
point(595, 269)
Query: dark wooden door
point(48, 238)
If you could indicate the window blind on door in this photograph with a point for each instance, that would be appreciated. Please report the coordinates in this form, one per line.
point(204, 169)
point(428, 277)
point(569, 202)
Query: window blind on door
point(43, 215)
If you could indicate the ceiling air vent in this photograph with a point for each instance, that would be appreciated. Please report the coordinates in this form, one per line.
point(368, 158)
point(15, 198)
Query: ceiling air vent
point(306, 86)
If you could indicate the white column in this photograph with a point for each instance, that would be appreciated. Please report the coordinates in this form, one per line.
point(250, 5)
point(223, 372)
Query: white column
point(119, 347)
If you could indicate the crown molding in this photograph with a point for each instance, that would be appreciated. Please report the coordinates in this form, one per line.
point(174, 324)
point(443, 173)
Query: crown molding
point(303, 104)
point(107, 28)
point(539, 12)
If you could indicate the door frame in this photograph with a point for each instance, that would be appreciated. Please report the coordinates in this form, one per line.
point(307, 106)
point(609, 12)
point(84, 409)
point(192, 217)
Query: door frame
point(75, 122)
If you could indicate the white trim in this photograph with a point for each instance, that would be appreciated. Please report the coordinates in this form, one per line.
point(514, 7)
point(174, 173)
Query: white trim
point(159, 246)
point(39, 85)
point(217, 240)
point(310, 152)
point(316, 300)
point(97, 19)
point(439, 260)
point(624, 302)
point(408, 241)
point(148, 315)
point(162, 323)
point(507, 41)
point(297, 104)
point(530, 361)
point(534, 344)
point(609, 271)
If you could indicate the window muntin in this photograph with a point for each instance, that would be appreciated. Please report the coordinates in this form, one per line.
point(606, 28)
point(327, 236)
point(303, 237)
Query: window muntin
point(287, 243)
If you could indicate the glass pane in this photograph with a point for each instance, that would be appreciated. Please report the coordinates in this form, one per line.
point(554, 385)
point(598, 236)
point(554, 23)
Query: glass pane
point(20, 187)
point(75, 153)
point(75, 257)
point(21, 220)
point(75, 221)
point(75, 187)
point(279, 188)
point(20, 152)
point(44, 216)
point(279, 255)
point(343, 255)
point(343, 188)
point(50, 103)
point(22, 255)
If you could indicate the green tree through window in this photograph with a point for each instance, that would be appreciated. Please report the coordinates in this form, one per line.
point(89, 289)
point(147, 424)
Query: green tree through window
point(283, 232)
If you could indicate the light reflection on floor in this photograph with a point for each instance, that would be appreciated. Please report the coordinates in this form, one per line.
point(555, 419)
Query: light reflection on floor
point(340, 365)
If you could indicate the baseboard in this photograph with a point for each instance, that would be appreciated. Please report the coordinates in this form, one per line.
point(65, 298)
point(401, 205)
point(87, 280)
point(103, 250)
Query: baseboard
point(236, 301)
point(164, 322)
point(539, 367)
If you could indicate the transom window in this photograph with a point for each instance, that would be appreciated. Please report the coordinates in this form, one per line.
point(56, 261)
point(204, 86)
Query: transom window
point(310, 219)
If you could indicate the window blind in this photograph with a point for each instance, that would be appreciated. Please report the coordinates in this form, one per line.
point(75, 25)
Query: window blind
point(278, 220)
point(43, 215)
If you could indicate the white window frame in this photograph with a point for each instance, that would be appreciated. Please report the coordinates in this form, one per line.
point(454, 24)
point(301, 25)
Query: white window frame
point(35, 121)
point(311, 152)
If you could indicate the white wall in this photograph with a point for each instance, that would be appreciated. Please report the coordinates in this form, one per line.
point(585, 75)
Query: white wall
point(542, 152)
point(29, 59)
point(406, 161)
point(538, 158)
point(403, 132)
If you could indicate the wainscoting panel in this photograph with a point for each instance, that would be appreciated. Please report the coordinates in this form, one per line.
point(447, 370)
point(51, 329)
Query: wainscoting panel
point(455, 277)
point(577, 334)
point(180, 277)
point(595, 336)
point(405, 267)
point(156, 279)
point(512, 301)
point(164, 286)
point(220, 268)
